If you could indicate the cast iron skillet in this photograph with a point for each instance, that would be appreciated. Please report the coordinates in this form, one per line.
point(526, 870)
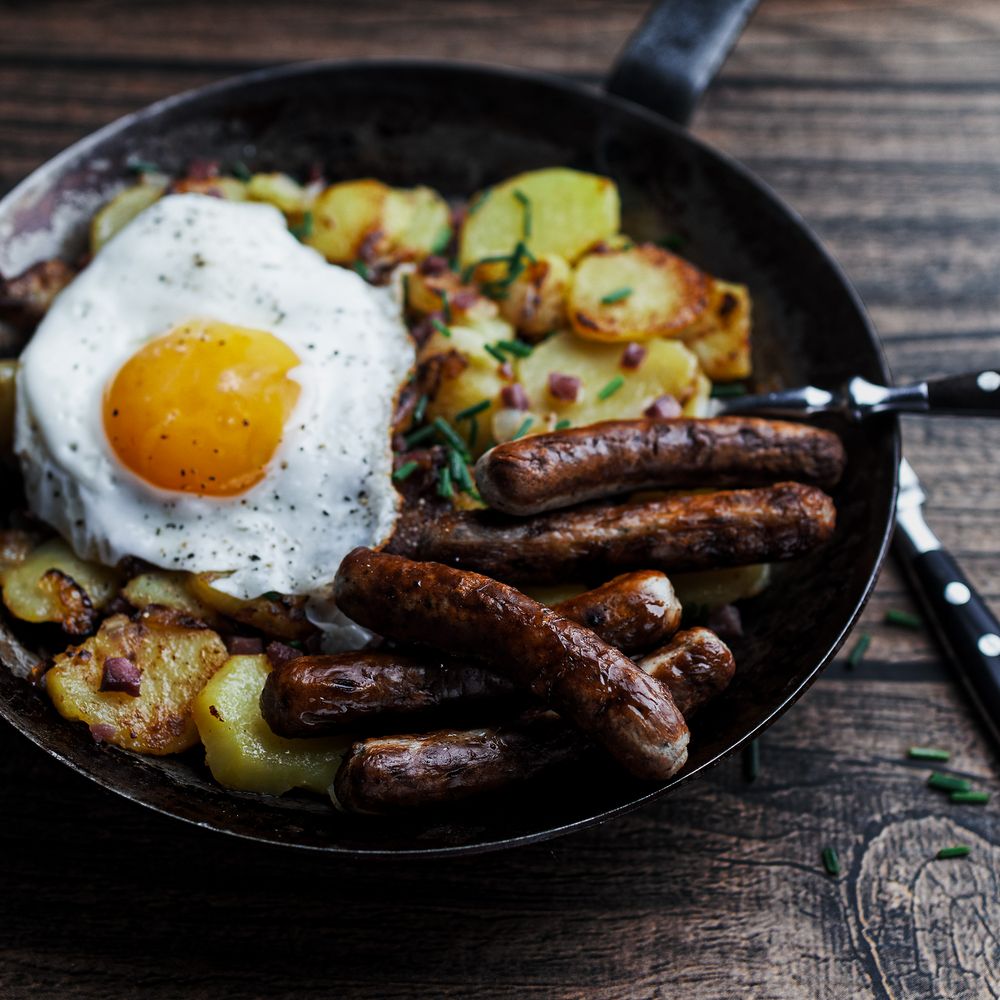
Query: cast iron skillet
point(459, 128)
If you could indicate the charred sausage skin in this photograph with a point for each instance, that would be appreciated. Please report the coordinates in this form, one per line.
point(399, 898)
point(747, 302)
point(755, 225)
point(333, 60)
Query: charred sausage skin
point(395, 773)
point(385, 691)
point(564, 468)
point(702, 531)
point(566, 666)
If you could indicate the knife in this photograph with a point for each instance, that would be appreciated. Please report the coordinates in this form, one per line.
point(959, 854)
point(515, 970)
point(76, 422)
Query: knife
point(961, 620)
point(972, 394)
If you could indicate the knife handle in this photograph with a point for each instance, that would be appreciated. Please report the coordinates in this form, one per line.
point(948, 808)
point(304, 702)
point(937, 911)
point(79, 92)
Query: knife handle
point(967, 628)
point(971, 394)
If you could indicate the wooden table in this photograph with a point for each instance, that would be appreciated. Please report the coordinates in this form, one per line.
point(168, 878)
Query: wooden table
point(881, 124)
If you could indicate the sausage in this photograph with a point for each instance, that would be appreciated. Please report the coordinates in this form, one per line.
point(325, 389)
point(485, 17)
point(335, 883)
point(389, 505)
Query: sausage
point(386, 691)
point(565, 665)
point(695, 665)
point(568, 467)
point(703, 531)
point(389, 774)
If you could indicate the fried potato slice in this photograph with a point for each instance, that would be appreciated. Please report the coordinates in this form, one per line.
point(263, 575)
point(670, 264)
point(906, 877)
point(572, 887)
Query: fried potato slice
point(169, 589)
point(666, 368)
point(468, 375)
point(240, 749)
point(53, 585)
point(635, 294)
point(276, 615)
point(535, 302)
point(344, 215)
point(175, 659)
point(8, 394)
point(444, 293)
point(713, 588)
point(416, 222)
point(554, 211)
point(721, 336)
point(123, 208)
point(279, 190)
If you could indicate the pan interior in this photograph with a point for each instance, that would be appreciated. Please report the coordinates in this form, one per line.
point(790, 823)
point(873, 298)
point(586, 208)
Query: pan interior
point(460, 129)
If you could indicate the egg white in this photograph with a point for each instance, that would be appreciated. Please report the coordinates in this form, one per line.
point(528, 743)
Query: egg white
point(328, 487)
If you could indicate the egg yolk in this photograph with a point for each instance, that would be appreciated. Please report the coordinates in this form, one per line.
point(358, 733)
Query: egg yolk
point(202, 408)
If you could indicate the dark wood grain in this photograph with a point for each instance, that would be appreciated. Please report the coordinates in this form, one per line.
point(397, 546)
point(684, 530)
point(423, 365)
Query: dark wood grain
point(880, 123)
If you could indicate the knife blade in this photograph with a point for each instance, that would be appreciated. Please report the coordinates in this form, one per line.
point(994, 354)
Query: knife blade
point(958, 616)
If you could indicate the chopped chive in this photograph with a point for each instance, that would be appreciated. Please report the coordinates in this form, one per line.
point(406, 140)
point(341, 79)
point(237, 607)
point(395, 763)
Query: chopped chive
point(442, 241)
point(949, 783)
point(526, 210)
point(971, 798)
point(305, 228)
point(406, 290)
point(451, 437)
point(143, 167)
point(240, 170)
point(471, 411)
point(440, 327)
point(460, 471)
point(860, 648)
point(956, 851)
point(295, 643)
point(905, 619)
point(616, 296)
point(362, 268)
point(272, 595)
point(928, 753)
point(444, 487)
point(612, 387)
point(480, 201)
point(445, 305)
point(830, 861)
point(728, 390)
point(515, 347)
point(420, 409)
point(473, 435)
point(524, 428)
point(416, 437)
point(561, 425)
point(496, 352)
point(456, 463)
point(751, 761)
point(672, 242)
point(405, 471)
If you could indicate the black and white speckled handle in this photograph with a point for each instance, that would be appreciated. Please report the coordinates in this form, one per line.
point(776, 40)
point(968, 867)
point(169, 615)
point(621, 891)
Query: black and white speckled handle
point(967, 628)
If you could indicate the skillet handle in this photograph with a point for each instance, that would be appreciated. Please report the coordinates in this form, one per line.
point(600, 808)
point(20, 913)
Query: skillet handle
point(671, 58)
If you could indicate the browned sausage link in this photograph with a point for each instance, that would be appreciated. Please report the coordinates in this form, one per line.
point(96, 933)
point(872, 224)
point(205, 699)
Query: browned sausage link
point(376, 692)
point(390, 774)
point(569, 668)
point(393, 773)
point(384, 692)
point(696, 665)
point(705, 531)
point(564, 468)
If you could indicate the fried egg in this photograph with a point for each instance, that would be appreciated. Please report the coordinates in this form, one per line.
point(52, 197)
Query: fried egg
point(211, 395)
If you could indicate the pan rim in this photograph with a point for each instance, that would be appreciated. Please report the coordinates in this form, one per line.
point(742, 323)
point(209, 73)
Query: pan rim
point(567, 87)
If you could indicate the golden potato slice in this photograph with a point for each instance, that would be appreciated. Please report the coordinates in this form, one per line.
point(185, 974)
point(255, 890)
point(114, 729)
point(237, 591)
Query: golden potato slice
point(444, 293)
point(229, 188)
point(175, 661)
point(535, 302)
point(279, 190)
point(468, 376)
point(168, 589)
point(344, 215)
point(240, 749)
point(635, 294)
point(276, 615)
point(123, 208)
point(8, 395)
point(714, 588)
point(607, 391)
point(721, 336)
point(554, 211)
point(415, 223)
point(53, 585)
